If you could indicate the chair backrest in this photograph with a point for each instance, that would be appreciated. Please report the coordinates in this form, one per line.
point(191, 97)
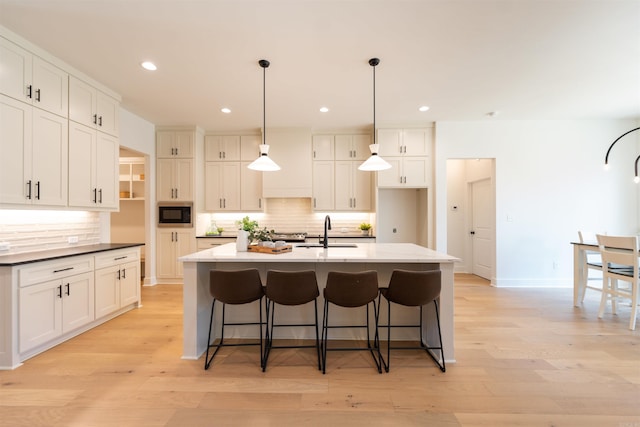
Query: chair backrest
point(292, 287)
point(235, 287)
point(588, 236)
point(351, 289)
point(414, 288)
point(619, 255)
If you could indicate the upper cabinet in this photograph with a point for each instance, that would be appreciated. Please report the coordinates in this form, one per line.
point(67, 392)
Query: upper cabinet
point(352, 147)
point(217, 147)
point(405, 142)
point(174, 144)
point(34, 147)
point(28, 78)
point(91, 107)
point(409, 153)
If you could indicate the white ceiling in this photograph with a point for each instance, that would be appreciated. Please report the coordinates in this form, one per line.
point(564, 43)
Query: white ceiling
point(526, 59)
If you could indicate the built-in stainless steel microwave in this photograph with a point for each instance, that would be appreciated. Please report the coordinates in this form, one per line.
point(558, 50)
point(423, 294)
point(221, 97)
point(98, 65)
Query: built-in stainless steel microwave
point(175, 215)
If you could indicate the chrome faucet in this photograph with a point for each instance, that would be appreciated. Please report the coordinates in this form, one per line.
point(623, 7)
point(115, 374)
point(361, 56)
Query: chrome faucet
point(327, 227)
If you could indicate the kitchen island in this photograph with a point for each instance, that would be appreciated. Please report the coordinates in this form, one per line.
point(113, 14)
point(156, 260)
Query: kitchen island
point(382, 257)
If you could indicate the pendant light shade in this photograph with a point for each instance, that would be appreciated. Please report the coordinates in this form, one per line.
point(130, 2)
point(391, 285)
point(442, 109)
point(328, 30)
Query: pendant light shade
point(375, 162)
point(263, 162)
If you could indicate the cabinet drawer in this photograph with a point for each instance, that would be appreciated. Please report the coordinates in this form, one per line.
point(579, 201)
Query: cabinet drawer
point(214, 242)
point(51, 270)
point(117, 257)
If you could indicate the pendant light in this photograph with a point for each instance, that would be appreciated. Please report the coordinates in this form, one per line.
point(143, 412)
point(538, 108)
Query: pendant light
point(375, 162)
point(263, 162)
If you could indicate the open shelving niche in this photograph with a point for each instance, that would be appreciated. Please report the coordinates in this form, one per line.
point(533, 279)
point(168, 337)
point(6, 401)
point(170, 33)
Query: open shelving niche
point(132, 178)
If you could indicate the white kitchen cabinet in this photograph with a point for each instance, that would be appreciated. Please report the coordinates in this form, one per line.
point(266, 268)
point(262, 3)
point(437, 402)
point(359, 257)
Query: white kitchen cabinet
point(221, 147)
point(324, 185)
point(53, 308)
point(406, 172)
point(34, 147)
point(117, 280)
point(352, 147)
point(250, 188)
point(30, 79)
point(174, 144)
point(172, 243)
point(92, 107)
point(212, 242)
point(249, 147)
point(353, 187)
point(222, 186)
point(323, 147)
point(405, 142)
point(93, 168)
point(174, 180)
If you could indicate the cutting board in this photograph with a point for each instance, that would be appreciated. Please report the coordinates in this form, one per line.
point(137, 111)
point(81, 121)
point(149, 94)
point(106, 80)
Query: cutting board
point(266, 250)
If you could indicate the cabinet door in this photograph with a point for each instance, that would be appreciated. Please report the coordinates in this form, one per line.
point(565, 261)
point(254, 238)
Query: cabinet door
point(40, 314)
point(323, 147)
point(183, 179)
point(222, 186)
point(221, 147)
point(165, 253)
point(50, 87)
point(391, 177)
point(164, 180)
point(82, 159)
point(324, 185)
point(417, 142)
point(212, 186)
point(49, 158)
point(107, 291)
point(82, 102)
point(78, 307)
point(361, 146)
point(231, 185)
point(15, 149)
point(174, 144)
point(16, 65)
point(416, 172)
point(362, 188)
point(344, 186)
point(108, 110)
point(390, 142)
point(129, 284)
point(249, 147)
point(106, 170)
point(250, 188)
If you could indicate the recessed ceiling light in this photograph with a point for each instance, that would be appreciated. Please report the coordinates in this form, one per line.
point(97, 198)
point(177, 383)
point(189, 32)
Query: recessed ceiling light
point(225, 110)
point(324, 109)
point(423, 108)
point(148, 65)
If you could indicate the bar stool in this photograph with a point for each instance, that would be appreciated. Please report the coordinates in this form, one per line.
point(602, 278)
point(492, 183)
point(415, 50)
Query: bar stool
point(234, 288)
point(290, 288)
point(351, 290)
point(413, 289)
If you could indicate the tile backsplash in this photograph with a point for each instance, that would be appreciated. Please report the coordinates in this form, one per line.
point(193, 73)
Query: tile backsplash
point(36, 230)
point(288, 215)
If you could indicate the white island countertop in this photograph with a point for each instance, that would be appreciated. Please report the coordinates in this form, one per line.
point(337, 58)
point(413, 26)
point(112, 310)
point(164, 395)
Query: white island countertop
point(384, 258)
point(363, 252)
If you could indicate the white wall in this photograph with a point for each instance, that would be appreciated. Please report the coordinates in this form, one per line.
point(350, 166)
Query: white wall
point(550, 182)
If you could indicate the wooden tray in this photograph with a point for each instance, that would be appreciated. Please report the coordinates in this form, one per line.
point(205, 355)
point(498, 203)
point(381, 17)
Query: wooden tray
point(274, 251)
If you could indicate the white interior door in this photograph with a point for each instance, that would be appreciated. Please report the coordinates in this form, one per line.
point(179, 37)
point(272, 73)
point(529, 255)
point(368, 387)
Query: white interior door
point(482, 235)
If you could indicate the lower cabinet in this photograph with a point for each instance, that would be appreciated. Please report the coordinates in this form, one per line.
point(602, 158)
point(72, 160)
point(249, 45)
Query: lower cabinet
point(116, 286)
point(171, 244)
point(50, 309)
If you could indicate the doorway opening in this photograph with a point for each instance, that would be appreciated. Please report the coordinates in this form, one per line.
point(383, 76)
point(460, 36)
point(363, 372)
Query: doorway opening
point(471, 217)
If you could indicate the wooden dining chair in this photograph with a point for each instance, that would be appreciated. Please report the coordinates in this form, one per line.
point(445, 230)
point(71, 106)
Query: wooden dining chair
point(619, 263)
point(594, 263)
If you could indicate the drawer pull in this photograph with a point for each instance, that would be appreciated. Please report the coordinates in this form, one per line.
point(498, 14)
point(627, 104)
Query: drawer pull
point(120, 257)
point(63, 269)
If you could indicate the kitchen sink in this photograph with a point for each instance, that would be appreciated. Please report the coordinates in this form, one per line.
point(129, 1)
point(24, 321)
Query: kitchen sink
point(331, 245)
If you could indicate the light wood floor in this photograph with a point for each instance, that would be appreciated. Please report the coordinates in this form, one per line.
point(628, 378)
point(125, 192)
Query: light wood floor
point(525, 357)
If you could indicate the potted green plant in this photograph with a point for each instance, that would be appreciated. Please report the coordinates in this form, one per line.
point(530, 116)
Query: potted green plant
point(250, 231)
point(365, 228)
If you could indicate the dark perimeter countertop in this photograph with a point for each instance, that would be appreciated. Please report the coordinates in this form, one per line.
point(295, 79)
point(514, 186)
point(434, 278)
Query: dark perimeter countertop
point(38, 256)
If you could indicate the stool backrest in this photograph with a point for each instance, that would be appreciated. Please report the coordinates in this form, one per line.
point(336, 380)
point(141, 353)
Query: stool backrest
point(351, 289)
point(236, 287)
point(292, 287)
point(414, 288)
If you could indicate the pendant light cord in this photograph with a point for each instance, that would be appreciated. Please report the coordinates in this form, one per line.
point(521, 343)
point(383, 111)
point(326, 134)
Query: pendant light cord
point(264, 105)
point(374, 106)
